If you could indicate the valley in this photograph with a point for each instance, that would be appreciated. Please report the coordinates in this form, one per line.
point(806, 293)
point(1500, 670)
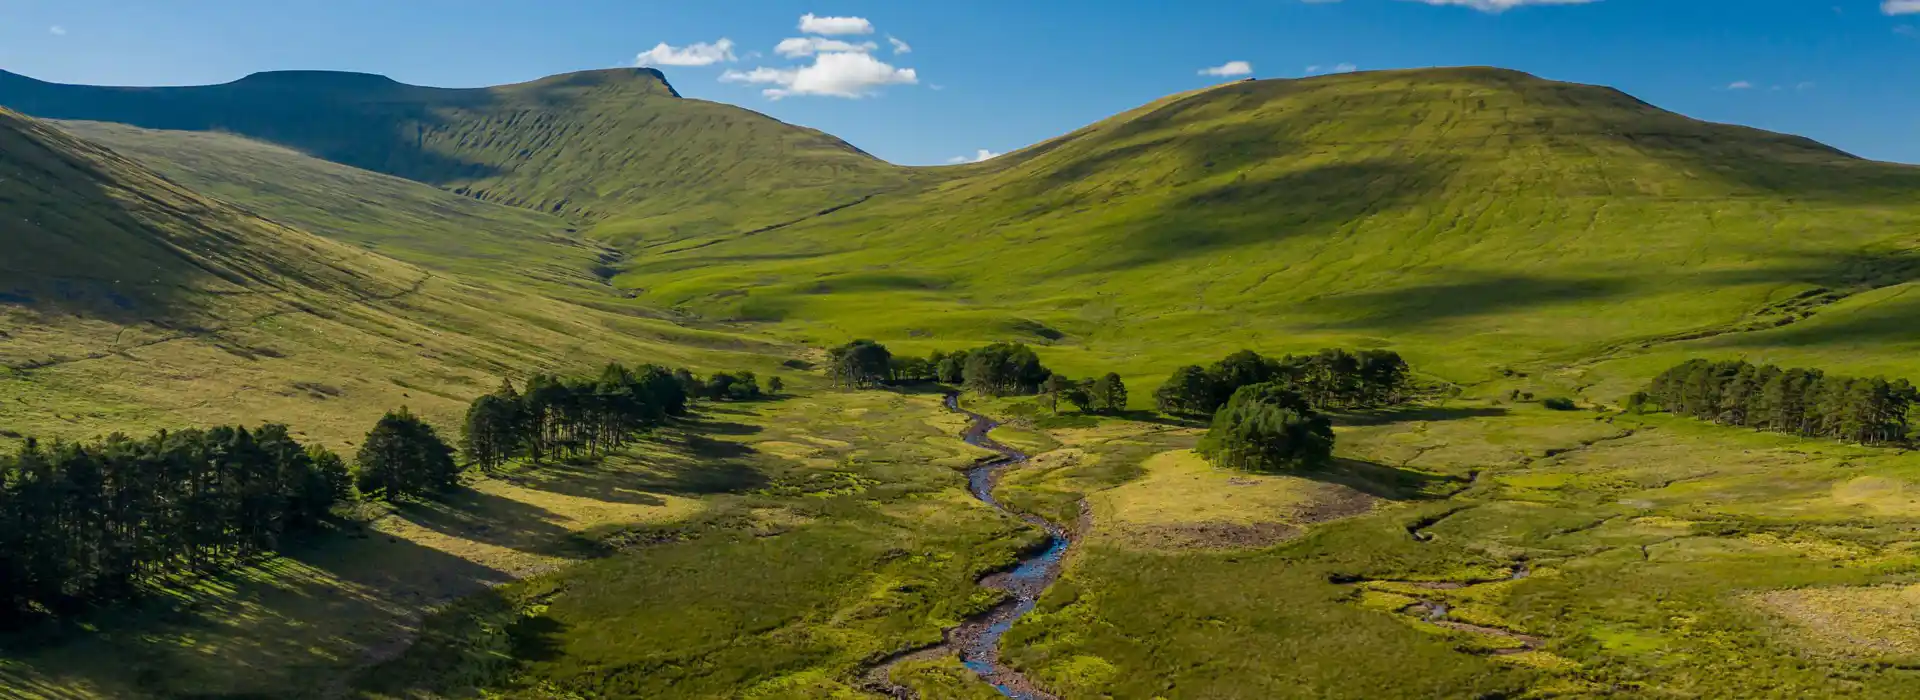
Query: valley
point(317, 249)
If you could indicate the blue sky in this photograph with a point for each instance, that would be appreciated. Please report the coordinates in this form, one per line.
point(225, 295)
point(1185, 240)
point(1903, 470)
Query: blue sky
point(998, 75)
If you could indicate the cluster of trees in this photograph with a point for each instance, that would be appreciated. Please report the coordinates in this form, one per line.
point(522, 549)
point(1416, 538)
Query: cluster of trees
point(1805, 402)
point(566, 417)
point(1000, 369)
point(88, 523)
point(1268, 427)
point(1329, 379)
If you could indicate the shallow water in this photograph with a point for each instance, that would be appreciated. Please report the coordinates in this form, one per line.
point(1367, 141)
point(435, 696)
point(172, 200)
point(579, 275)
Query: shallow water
point(1027, 580)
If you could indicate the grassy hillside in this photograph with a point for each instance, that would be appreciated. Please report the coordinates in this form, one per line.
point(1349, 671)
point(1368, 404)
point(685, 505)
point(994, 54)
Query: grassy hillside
point(399, 218)
point(136, 304)
point(1475, 218)
point(619, 147)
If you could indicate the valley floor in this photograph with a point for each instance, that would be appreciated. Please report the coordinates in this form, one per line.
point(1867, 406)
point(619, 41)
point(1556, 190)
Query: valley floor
point(784, 548)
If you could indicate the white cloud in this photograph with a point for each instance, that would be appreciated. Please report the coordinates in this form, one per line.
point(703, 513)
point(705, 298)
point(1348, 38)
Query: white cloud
point(1906, 30)
point(690, 55)
point(1504, 5)
point(850, 75)
point(978, 156)
point(1804, 86)
point(1740, 85)
point(810, 45)
point(57, 30)
point(1229, 68)
point(1900, 7)
point(899, 47)
point(835, 25)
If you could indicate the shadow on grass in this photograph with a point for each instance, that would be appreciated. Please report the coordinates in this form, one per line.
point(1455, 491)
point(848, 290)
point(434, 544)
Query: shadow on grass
point(1412, 414)
point(496, 520)
point(1383, 481)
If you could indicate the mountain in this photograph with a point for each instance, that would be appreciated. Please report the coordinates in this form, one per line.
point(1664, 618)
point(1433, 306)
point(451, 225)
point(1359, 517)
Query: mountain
point(129, 302)
point(1477, 218)
point(618, 147)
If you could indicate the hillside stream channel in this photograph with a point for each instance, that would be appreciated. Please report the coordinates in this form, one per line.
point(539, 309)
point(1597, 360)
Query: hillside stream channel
point(978, 642)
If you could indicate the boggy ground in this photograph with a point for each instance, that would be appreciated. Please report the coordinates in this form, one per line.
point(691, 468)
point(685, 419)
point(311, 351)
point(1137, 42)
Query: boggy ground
point(1481, 549)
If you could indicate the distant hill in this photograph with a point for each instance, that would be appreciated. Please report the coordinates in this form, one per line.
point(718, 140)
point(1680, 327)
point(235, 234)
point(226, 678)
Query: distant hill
point(1479, 217)
point(617, 147)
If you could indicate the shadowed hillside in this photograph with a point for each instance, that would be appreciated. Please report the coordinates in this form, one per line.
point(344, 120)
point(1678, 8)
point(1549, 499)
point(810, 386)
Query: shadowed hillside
point(618, 146)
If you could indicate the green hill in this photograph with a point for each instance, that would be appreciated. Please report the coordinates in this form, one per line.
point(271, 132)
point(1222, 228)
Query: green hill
point(617, 147)
point(1474, 217)
point(131, 302)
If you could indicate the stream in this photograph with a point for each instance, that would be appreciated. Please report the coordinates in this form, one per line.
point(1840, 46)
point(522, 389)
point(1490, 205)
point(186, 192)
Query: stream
point(979, 642)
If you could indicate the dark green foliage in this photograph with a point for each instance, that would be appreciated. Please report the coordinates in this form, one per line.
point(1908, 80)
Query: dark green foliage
point(1189, 391)
point(775, 385)
point(1108, 394)
point(1805, 402)
point(861, 364)
point(569, 417)
point(1055, 386)
point(1003, 369)
point(89, 523)
point(1329, 379)
point(1559, 403)
point(950, 369)
point(1268, 427)
point(1080, 397)
point(737, 386)
point(403, 457)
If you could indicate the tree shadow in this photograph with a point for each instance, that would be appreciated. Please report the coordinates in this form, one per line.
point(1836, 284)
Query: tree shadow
point(1383, 481)
point(278, 625)
point(483, 517)
point(1414, 414)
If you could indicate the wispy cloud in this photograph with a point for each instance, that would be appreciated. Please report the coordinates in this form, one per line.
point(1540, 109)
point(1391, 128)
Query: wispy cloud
point(1740, 85)
point(810, 45)
point(1229, 68)
point(851, 75)
point(1900, 7)
point(1504, 5)
point(899, 47)
point(835, 26)
point(57, 30)
point(980, 155)
point(691, 55)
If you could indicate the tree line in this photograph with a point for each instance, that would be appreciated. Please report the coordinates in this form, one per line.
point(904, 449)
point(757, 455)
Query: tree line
point(84, 523)
point(1266, 412)
point(999, 369)
point(588, 416)
point(1797, 401)
point(1330, 379)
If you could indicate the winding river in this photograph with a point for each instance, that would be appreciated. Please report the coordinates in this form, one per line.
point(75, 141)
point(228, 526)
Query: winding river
point(978, 642)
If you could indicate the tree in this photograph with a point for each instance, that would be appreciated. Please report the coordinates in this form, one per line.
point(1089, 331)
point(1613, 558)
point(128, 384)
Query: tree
point(951, 369)
point(1188, 391)
point(775, 386)
point(1053, 388)
point(860, 364)
point(1268, 427)
point(492, 431)
point(1109, 394)
point(1004, 369)
point(402, 457)
point(1081, 396)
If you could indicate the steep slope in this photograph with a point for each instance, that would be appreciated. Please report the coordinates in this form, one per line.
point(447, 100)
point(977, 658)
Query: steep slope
point(618, 146)
point(130, 303)
point(1476, 217)
point(395, 217)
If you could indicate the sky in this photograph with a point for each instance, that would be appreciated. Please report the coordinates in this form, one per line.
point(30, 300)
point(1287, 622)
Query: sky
point(924, 82)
